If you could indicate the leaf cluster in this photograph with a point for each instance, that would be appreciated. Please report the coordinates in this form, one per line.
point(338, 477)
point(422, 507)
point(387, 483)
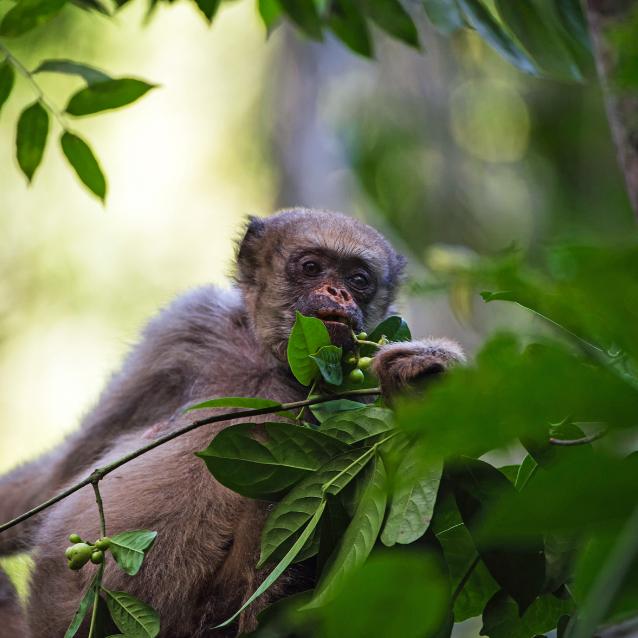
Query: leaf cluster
point(546, 544)
point(119, 610)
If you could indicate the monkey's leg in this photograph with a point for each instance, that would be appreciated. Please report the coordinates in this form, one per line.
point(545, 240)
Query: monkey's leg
point(12, 622)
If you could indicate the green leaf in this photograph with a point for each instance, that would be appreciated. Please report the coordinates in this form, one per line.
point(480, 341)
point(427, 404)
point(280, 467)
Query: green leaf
point(208, 8)
point(605, 582)
point(359, 538)
point(490, 404)
point(283, 564)
point(88, 73)
point(305, 15)
point(394, 328)
point(470, 579)
point(518, 570)
point(27, 15)
point(592, 495)
point(334, 523)
point(299, 505)
point(31, 138)
point(307, 336)
point(111, 94)
point(328, 360)
point(412, 502)
point(525, 472)
point(535, 29)
point(129, 548)
point(270, 12)
point(573, 20)
point(444, 15)
point(354, 426)
point(323, 411)
point(398, 594)
point(234, 402)
point(85, 604)
point(7, 78)
point(265, 467)
point(491, 31)
point(83, 161)
point(132, 617)
point(501, 617)
point(348, 24)
point(393, 19)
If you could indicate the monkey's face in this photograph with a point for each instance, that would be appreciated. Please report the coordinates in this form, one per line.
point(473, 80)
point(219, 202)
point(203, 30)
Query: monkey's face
point(333, 288)
point(321, 264)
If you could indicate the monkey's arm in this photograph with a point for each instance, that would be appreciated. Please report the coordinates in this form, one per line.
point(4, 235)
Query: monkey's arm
point(399, 365)
point(158, 377)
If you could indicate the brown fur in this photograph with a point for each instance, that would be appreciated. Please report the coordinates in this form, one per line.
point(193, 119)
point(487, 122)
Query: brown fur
point(207, 343)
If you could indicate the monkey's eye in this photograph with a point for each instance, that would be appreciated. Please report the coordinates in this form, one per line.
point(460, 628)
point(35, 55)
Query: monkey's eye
point(359, 280)
point(311, 268)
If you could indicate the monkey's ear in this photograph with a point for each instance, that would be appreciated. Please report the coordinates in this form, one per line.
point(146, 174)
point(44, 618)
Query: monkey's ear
point(400, 262)
point(248, 249)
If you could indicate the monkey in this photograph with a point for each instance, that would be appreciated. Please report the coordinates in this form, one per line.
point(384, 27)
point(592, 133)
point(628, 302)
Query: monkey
point(209, 342)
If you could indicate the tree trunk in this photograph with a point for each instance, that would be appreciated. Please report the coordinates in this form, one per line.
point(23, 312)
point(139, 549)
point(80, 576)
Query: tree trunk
point(622, 106)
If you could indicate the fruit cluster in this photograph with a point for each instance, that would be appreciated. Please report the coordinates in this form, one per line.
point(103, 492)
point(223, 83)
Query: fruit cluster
point(81, 552)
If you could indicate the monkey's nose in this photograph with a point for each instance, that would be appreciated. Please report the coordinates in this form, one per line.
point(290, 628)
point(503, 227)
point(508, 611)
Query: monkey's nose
point(340, 295)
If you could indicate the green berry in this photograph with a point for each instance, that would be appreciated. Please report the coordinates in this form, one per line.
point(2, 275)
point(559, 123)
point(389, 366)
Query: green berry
point(356, 376)
point(97, 557)
point(364, 363)
point(351, 360)
point(362, 336)
point(74, 538)
point(78, 555)
point(103, 543)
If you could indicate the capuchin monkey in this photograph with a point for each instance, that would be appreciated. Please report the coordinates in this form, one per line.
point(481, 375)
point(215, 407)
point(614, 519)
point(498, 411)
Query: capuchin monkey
point(209, 342)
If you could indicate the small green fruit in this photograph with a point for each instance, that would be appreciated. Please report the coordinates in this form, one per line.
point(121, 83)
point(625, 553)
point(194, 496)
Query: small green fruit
point(74, 538)
point(351, 360)
point(97, 557)
point(103, 543)
point(78, 555)
point(356, 376)
point(362, 335)
point(364, 363)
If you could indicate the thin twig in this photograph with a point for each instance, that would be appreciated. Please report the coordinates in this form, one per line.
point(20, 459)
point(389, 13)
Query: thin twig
point(100, 506)
point(100, 473)
point(365, 342)
point(582, 441)
point(100, 572)
point(16, 64)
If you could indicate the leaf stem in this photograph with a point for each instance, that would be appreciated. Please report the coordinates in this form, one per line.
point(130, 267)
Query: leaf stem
point(364, 342)
point(100, 572)
point(582, 441)
point(466, 577)
point(100, 473)
point(368, 452)
point(96, 600)
point(20, 68)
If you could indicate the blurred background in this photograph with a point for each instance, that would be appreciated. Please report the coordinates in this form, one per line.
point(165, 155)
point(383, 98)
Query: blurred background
point(450, 152)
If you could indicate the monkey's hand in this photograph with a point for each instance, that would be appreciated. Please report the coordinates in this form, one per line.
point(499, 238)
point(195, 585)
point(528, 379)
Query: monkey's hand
point(400, 366)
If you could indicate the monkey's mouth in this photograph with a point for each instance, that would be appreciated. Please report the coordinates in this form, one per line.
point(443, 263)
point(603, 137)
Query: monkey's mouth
point(335, 317)
point(340, 327)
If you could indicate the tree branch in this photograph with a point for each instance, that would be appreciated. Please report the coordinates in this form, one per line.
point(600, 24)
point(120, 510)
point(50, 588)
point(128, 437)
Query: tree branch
point(582, 441)
point(604, 16)
point(98, 474)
